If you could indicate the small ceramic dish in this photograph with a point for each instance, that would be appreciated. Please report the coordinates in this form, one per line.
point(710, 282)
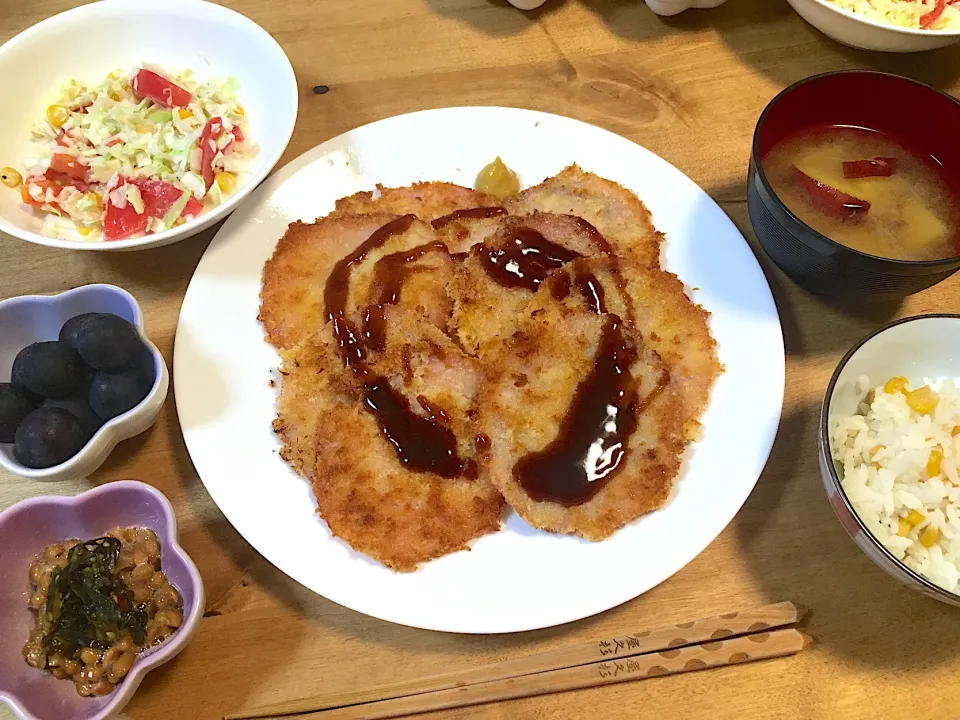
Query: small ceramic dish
point(34, 318)
point(892, 104)
point(861, 32)
point(207, 38)
point(926, 346)
point(29, 526)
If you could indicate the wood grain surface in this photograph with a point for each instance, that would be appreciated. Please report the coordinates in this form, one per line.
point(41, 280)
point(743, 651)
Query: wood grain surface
point(690, 89)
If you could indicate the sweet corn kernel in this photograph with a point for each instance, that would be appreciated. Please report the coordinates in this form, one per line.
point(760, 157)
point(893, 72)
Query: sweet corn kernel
point(933, 462)
point(914, 517)
point(896, 384)
point(227, 182)
point(84, 230)
point(929, 536)
point(923, 400)
point(10, 177)
point(183, 114)
point(903, 527)
point(57, 115)
point(92, 198)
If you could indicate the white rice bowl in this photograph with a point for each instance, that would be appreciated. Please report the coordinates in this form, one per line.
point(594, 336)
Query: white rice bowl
point(882, 453)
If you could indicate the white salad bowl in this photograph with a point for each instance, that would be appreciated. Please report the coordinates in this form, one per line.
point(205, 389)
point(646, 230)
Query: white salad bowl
point(857, 31)
point(179, 34)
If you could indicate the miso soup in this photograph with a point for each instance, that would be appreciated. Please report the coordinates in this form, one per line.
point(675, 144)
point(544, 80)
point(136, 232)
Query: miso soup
point(864, 190)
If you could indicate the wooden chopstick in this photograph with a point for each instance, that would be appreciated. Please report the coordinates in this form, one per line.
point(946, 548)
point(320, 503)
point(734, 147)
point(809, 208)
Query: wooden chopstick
point(717, 653)
point(718, 627)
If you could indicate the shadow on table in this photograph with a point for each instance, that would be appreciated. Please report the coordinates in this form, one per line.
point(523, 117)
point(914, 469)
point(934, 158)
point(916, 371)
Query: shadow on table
point(496, 18)
point(767, 36)
point(797, 550)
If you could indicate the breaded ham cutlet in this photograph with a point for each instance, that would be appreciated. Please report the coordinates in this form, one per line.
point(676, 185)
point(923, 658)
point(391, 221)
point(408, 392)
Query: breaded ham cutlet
point(500, 274)
point(616, 212)
point(428, 200)
point(396, 473)
point(291, 293)
point(443, 353)
point(580, 416)
point(678, 330)
point(291, 306)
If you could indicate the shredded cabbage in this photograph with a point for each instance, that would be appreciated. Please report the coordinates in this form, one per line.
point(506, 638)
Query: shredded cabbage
point(119, 136)
point(903, 13)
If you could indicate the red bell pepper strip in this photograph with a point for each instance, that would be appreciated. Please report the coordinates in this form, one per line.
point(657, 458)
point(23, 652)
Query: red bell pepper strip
point(149, 84)
point(878, 167)
point(68, 165)
point(928, 19)
point(237, 138)
point(830, 200)
point(208, 149)
point(121, 223)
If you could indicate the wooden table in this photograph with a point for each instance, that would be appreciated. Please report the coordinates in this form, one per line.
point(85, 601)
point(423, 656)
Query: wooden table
point(689, 89)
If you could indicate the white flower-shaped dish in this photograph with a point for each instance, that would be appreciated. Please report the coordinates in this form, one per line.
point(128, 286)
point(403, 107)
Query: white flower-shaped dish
point(35, 318)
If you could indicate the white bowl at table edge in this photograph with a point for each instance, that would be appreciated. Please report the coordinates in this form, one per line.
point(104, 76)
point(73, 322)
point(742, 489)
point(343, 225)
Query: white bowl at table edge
point(863, 33)
point(877, 364)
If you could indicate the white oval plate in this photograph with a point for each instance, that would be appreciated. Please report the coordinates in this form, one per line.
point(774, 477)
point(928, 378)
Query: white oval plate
point(519, 578)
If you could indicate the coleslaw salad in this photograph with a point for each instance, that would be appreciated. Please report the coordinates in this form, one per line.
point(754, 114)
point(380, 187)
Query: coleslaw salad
point(136, 154)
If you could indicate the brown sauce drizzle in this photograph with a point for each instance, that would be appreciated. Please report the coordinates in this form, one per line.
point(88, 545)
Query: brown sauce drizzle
point(592, 290)
point(389, 275)
point(478, 213)
point(422, 444)
point(524, 260)
point(560, 287)
point(588, 285)
point(338, 284)
point(601, 242)
point(590, 446)
point(482, 441)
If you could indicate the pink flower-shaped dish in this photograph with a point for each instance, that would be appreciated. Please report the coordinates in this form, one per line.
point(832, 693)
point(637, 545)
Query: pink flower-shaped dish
point(28, 527)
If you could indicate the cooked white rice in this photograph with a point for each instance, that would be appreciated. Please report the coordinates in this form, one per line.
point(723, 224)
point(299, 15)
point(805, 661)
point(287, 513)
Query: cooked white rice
point(883, 453)
point(903, 13)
